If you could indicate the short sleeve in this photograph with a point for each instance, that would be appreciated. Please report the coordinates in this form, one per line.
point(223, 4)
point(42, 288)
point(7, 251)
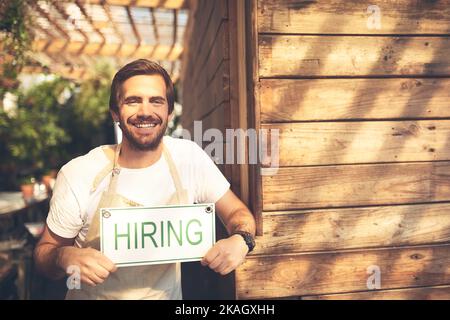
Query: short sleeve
point(210, 183)
point(64, 217)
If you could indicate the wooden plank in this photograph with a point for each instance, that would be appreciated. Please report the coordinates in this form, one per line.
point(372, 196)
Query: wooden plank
point(219, 53)
point(208, 40)
point(302, 56)
point(354, 17)
point(334, 272)
point(335, 229)
point(356, 185)
point(424, 293)
point(169, 4)
point(332, 99)
point(253, 101)
point(323, 143)
point(218, 91)
point(214, 46)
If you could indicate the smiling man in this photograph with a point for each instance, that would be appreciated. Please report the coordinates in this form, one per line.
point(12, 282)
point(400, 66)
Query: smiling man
point(146, 169)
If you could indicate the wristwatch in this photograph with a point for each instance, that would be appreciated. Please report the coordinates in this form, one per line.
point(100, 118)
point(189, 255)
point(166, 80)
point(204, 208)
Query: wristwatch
point(248, 238)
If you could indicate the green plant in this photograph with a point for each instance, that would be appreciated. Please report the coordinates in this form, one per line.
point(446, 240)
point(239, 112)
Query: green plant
point(15, 37)
point(27, 179)
point(30, 137)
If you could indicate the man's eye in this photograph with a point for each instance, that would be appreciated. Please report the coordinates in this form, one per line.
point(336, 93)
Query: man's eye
point(132, 102)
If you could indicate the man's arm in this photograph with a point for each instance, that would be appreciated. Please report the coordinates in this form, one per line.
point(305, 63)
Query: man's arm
point(227, 254)
point(54, 254)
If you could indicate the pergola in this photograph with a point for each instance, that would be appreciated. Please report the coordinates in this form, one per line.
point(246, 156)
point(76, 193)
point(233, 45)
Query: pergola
point(70, 35)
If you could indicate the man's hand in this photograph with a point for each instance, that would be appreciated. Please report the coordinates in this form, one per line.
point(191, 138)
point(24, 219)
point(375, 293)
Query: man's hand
point(94, 266)
point(226, 255)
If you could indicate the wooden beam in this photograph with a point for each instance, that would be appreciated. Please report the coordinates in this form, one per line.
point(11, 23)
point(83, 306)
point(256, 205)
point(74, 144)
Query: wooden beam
point(63, 13)
point(109, 49)
point(155, 27)
point(135, 31)
point(175, 25)
point(133, 26)
point(107, 9)
point(53, 22)
point(169, 4)
point(89, 19)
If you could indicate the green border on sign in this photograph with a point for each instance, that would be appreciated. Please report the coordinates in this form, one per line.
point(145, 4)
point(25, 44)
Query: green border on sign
point(149, 262)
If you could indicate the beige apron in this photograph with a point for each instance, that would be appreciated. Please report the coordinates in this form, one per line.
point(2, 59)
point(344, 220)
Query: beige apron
point(140, 282)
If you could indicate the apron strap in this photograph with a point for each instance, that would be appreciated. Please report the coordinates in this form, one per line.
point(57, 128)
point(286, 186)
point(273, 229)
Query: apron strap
point(174, 173)
point(110, 153)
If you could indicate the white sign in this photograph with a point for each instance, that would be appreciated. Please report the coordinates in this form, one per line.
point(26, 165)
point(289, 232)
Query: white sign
point(153, 235)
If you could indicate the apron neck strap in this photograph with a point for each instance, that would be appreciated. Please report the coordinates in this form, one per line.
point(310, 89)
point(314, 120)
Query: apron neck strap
point(113, 166)
point(174, 173)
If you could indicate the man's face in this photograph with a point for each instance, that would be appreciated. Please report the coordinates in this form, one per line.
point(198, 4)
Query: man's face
point(143, 112)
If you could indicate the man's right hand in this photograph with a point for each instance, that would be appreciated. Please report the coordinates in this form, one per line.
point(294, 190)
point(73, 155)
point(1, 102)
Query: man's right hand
point(94, 266)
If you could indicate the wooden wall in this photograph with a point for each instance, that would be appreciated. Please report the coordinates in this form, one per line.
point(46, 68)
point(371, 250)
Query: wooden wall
point(210, 95)
point(364, 178)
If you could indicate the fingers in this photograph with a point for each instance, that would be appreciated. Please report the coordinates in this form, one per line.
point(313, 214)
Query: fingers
point(210, 256)
point(88, 281)
point(105, 262)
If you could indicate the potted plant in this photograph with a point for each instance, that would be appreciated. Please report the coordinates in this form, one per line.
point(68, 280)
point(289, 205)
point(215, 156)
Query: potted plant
point(27, 187)
point(48, 179)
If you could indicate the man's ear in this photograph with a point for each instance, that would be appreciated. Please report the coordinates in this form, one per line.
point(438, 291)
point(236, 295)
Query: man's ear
point(171, 116)
point(114, 116)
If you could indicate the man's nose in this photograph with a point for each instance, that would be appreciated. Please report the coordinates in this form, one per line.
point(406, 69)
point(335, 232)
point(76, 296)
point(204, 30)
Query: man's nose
point(145, 108)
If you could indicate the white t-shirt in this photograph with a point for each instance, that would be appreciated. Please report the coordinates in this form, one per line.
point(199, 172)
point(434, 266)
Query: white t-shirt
point(73, 206)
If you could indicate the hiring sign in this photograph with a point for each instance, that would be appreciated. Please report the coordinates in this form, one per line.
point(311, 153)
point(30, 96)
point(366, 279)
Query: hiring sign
point(153, 235)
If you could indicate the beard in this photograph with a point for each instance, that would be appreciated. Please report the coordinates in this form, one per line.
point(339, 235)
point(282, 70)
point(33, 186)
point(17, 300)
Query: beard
point(139, 142)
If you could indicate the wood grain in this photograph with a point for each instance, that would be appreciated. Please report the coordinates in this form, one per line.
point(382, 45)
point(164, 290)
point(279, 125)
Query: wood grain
point(334, 272)
point(323, 143)
point(335, 229)
point(356, 185)
point(351, 17)
point(284, 100)
point(312, 56)
point(424, 293)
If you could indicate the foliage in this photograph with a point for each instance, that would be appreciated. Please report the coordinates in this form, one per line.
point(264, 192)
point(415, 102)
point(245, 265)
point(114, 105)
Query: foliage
point(87, 119)
point(15, 37)
point(32, 136)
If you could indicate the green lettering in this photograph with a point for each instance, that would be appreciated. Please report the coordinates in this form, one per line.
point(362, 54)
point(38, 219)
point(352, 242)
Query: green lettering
point(126, 235)
point(150, 235)
point(162, 233)
point(179, 239)
point(198, 233)
point(135, 236)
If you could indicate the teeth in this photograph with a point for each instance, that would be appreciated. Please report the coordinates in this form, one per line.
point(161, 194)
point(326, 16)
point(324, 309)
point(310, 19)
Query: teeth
point(145, 125)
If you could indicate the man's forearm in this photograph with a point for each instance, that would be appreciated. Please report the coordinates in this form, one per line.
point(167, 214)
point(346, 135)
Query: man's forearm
point(46, 258)
point(241, 220)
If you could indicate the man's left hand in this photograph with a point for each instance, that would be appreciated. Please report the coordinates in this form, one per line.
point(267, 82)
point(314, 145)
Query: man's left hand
point(226, 255)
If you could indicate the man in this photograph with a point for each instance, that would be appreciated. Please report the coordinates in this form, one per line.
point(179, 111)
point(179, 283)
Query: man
point(148, 169)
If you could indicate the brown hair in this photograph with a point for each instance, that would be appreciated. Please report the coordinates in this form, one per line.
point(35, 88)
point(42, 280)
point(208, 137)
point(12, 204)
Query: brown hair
point(136, 68)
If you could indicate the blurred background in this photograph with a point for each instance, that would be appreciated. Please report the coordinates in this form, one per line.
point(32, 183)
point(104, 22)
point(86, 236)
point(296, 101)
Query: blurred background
point(57, 60)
